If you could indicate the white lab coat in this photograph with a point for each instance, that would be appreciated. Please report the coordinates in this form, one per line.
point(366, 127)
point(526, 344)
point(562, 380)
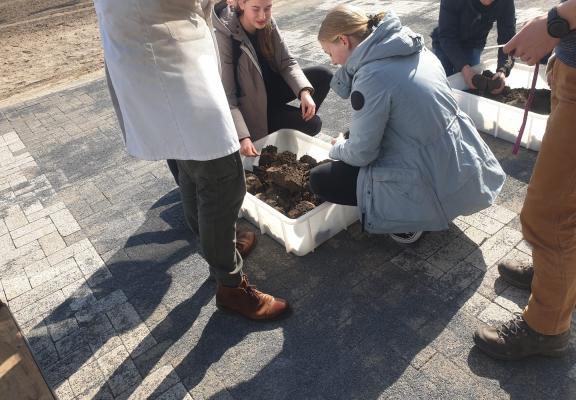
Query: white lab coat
point(164, 69)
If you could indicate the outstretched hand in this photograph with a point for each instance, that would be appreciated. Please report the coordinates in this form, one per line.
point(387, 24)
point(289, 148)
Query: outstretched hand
point(532, 43)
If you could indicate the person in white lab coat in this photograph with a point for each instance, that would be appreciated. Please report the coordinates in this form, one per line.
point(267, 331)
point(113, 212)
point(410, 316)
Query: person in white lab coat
point(164, 79)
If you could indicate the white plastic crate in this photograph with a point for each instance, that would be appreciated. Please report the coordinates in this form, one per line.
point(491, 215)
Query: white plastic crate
point(502, 120)
point(301, 235)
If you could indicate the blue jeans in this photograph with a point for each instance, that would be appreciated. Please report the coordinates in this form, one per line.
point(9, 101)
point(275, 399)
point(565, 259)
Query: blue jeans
point(472, 58)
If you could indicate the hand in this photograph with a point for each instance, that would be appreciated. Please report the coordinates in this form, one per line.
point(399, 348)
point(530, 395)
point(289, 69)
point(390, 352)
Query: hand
point(307, 105)
point(467, 74)
point(338, 139)
point(502, 78)
point(247, 148)
point(532, 43)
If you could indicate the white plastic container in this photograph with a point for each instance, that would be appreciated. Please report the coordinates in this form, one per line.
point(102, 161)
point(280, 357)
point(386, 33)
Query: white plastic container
point(502, 120)
point(301, 235)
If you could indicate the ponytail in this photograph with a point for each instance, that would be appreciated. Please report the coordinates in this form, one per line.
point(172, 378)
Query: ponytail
point(348, 20)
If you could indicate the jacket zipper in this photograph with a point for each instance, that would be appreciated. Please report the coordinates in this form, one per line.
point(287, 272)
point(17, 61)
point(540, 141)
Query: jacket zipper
point(251, 56)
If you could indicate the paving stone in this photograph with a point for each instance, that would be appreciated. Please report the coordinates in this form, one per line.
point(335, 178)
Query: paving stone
point(155, 385)
point(133, 332)
point(6, 243)
point(34, 235)
point(78, 295)
point(451, 254)
point(495, 315)
point(411, 262)
point(119, 370)
point(64, 368)
point(30, 228)
point(44, 290)
point(33, 207)
point(51, 243)
point(494, 248)
point(108, 302)
point(68, 252)
point(42, 272)
point(63, 391)
point(45, 212)
point(3, 227)
point(69, 343)
point(483, 222)
point(60, 327)
point(513, 299)
point(88, 376)
point(15, 218)
point(524, 247)
point(14, 287)
point(44, 305)
point(177, 392)
point(65, 222)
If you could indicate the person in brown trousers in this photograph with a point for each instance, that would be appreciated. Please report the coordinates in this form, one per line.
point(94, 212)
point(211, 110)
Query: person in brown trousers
point(549, 213)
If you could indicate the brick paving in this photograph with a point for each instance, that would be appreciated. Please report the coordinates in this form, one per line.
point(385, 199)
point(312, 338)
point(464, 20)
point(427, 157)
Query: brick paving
point(106, 282)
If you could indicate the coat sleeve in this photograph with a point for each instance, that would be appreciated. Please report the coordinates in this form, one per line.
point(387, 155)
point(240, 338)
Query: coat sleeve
point(368, 123)
point(448, 32)
point(506, 25)
point(288, 67)
point(229, 83)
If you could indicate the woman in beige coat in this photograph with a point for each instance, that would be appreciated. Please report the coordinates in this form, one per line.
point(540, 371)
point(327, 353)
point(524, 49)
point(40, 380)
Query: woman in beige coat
point(260, 76)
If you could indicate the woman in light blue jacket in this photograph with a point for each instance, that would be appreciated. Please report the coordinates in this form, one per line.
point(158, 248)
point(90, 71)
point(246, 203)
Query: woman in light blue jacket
point(413, 160)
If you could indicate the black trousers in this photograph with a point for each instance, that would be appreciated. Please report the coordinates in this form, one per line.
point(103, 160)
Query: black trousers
point(283, 116)
point(212, 193)
point(336, 182)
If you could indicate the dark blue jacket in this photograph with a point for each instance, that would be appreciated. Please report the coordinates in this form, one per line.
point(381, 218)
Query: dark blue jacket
point(465, 24)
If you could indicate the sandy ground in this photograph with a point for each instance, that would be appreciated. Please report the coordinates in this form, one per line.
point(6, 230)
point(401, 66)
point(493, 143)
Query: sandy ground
point(46, 42)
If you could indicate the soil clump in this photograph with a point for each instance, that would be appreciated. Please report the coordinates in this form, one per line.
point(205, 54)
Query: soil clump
point(518, 97)
point(282, 182)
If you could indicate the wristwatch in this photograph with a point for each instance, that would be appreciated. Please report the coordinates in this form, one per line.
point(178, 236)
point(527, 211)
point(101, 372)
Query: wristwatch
point(558, 27)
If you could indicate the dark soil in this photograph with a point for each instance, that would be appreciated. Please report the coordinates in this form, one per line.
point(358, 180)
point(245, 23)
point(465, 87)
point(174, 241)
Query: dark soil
point(281, 181)
point(518, 97)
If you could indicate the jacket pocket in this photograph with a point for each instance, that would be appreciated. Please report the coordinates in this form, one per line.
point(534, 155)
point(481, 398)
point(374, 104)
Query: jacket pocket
point(401, 195)
point(193, 28)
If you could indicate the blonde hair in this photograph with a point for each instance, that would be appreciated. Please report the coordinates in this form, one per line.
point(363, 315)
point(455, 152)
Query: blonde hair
point(263, 36)
point(348, 20)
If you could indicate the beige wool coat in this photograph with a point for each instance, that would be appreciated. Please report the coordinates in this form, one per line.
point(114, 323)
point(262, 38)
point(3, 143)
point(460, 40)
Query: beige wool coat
point(163, 65)
point(249, 110)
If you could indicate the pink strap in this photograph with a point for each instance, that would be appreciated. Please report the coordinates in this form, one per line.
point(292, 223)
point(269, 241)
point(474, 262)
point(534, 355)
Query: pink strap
point(526, 109)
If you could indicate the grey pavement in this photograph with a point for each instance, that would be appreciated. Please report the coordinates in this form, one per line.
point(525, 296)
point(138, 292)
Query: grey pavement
point(106, 281)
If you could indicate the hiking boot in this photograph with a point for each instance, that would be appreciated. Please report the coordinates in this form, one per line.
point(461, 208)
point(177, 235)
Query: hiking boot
point(245, 242)
point(517, 273)
point(406, 238)
point(514, 340)
point(249, 302)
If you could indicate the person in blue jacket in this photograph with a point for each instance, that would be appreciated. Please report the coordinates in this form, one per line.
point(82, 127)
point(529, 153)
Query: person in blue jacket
point(460, 37)
point(413, 160)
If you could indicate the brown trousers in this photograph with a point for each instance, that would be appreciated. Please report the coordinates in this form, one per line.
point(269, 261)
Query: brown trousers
point(549, 213)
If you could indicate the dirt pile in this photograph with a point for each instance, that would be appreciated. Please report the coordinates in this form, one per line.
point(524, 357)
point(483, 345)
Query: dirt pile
point(518, 97)
point(281, 181)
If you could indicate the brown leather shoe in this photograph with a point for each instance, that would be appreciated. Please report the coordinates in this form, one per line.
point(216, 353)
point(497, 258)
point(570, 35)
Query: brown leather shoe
point(249, 302)
point(245, 242)
point(517, 273)
point(515, 340)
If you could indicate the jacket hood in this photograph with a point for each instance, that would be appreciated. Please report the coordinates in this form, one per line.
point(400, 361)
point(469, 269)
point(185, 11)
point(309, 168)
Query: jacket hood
point(389, 39)
point(226, 21)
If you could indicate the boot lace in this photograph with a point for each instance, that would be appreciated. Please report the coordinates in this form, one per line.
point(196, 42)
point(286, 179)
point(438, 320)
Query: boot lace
point(513, 328)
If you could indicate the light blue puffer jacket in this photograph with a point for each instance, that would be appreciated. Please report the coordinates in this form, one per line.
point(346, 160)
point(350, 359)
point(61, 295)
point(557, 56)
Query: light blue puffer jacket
point(422, 160)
